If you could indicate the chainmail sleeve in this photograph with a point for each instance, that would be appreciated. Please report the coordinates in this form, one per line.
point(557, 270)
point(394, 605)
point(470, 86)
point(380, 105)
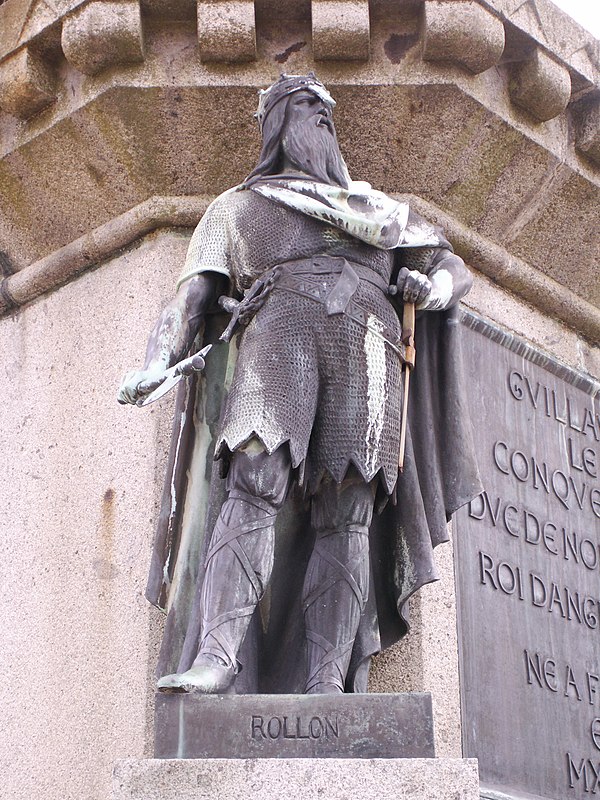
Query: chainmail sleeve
point(209, 249)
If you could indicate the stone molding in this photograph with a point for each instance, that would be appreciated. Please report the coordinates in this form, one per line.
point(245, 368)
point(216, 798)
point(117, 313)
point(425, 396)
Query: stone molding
point(587, 128)
point(102, 34)
point(296, 778)
point(540, 22)
point(540, 86)
point(127, 131)
point(465, 33)
point(26, 84)
point(340, 30)
point(227, 31)
point(88, 251)
point(97, 34)
point(514, 274)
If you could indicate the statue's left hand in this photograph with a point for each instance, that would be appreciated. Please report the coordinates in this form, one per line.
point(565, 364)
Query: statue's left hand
point(413, 286)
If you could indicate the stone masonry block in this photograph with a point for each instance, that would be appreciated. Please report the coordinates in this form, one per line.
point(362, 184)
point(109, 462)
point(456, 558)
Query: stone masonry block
point(462, 32)
point(587, 128)
point(296, 779)
point(26, 84)
point(103, 33)
point(540, 86)
point(227, 30)
point(340, 30)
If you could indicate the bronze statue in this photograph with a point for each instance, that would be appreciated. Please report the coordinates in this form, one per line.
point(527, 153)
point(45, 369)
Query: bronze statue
point(315, 269)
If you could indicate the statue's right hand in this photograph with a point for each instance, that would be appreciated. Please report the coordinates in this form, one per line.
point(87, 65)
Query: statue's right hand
point(137, 384)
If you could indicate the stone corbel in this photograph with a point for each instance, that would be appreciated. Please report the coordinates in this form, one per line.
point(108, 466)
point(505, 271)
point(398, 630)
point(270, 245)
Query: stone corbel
point(26, 84)
point(340, 30)
point(540, 86)
point(464, 33)
point(103, 33)
point(587, 128)
point(227, 30)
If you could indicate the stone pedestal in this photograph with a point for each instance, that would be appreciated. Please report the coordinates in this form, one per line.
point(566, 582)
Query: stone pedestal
point(283, 726)
point(295, 746)
point(296, 779)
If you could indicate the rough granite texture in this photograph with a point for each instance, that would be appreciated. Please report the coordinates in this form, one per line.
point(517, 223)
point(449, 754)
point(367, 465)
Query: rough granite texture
point(75, 567)
point(540, 85)
point(81, 479)
point(82, 476)
point(340, 30)
point(462, 32)
point(297, 779)
point(26, 84)
point(227, 30)
point(101, 34)
point(587, 128)
point(428, 659)
point(161, 127)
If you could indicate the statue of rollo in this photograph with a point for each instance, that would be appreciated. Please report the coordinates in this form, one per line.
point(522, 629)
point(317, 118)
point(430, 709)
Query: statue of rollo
point(315, 269)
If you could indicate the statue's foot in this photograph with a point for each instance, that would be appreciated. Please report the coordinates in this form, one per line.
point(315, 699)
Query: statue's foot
point(204, 678)
point(324, 688)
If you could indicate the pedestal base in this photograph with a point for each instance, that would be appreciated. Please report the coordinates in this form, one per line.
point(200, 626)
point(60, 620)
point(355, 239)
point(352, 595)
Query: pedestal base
point(294, 726)
point(296, 779)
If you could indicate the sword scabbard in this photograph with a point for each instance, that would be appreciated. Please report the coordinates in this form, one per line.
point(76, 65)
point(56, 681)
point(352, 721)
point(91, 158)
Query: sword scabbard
point(408, 339)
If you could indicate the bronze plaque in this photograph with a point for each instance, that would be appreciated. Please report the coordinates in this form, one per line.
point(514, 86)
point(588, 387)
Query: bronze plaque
point(528, 573)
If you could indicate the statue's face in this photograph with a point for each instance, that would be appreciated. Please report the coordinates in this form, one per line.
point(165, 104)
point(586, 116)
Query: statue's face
point(304, 106)
point(309, 140)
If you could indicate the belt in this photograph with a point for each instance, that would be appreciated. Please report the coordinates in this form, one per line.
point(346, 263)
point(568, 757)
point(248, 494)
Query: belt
point(295, 278)
point(288, 277)
point(331, 265)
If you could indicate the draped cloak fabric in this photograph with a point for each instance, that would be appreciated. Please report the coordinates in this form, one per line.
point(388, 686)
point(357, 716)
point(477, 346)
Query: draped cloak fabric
point(440, 475)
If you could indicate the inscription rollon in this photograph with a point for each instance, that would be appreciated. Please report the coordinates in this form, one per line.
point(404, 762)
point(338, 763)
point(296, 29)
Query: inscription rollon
point(295, 727)
point(527, 565)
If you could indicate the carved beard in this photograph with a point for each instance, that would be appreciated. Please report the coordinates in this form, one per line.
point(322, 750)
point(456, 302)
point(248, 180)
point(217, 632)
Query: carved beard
point(314, 149)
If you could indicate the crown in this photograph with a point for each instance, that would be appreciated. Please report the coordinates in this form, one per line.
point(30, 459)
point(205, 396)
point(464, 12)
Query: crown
point(286, 85)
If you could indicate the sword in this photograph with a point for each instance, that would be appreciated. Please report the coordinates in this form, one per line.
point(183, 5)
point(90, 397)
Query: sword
point(173, 375)
point(408, 338)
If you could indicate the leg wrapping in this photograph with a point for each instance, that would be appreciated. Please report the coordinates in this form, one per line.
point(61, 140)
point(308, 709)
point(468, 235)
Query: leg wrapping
point(240, 558)
point(337, 583)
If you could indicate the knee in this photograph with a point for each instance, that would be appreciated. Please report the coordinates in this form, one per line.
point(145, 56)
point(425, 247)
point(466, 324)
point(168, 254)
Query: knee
point(259, 474)
point(346, 506)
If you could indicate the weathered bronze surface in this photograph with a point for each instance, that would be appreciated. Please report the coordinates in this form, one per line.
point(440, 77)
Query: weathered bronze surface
point(528, 563)
point(293, 726)
point(316, 271)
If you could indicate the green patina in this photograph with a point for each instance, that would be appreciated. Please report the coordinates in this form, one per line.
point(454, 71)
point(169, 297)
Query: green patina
point(12, 192)
point(488, 158)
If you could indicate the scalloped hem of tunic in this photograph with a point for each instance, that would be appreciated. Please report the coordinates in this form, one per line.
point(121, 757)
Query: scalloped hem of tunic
point(298, 460)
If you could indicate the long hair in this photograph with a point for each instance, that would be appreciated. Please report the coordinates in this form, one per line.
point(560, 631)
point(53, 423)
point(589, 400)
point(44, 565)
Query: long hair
point(271, 154)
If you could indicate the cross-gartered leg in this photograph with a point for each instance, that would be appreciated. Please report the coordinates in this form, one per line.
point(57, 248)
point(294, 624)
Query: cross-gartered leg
point(337, 581)
point(238, 567)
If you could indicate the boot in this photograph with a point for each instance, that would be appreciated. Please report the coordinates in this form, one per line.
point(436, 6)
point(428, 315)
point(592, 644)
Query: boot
point(336, 585)
point(238, 567)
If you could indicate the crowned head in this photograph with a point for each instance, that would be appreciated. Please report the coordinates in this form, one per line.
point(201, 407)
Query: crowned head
point(295, 116)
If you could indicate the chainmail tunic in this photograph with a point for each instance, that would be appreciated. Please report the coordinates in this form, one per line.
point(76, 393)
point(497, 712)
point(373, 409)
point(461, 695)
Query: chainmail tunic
point(328, 386)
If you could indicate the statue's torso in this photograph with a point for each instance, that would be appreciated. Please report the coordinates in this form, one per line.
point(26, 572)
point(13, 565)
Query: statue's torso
point(262, 234)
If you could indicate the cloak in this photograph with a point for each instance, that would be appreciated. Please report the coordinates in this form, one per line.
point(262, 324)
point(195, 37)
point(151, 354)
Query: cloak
point(440, 475)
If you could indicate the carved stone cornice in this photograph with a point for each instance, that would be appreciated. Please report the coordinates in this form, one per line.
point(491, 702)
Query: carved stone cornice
point(110, 102)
